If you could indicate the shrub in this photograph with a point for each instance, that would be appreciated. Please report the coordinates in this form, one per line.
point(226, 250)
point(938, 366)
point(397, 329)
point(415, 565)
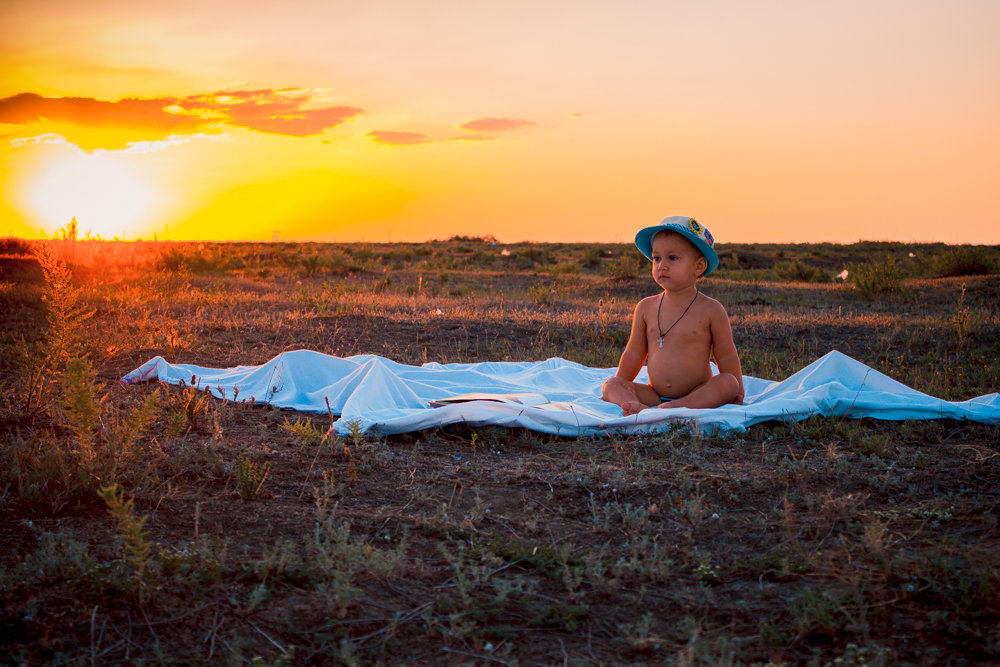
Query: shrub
point(566, 268)
point(963, 261)
point(94, 446)
point(39, 363)
point(14, 246)
point(311, 264)
point(875, 279)
point(626, 267)
point(800, 272)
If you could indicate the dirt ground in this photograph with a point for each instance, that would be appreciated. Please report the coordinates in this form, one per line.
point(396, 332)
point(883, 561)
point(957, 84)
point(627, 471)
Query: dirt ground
point(854, 540)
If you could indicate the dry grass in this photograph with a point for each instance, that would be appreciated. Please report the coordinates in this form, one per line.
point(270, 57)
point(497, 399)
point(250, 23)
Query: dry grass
point(242, 533)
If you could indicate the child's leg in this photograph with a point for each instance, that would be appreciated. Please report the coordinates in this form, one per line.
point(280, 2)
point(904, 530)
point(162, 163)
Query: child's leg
point(721, 389)
point(631, 397)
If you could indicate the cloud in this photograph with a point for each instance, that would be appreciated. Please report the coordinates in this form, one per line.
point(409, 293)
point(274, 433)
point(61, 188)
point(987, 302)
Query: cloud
point(271, 111)
point(283, 111)
point(494, 124)
point(473, 138)
point(131, 147)
point(47, 138)
point(142, 147)
point(27, 108)
point(391, 138)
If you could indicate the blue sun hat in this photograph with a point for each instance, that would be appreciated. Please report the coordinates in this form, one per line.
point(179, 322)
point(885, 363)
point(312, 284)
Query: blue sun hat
point(687, 227)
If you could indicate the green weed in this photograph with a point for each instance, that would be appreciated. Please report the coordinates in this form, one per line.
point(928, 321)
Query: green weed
point(138, 549)
point(304, 431)
point(250, 477)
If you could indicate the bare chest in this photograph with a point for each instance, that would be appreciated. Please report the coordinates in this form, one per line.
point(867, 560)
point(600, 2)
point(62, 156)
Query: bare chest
point(691, 332)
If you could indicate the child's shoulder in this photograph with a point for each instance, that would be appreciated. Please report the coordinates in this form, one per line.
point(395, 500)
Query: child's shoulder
point(648, 301)
point(710, 305)
point(646, 306)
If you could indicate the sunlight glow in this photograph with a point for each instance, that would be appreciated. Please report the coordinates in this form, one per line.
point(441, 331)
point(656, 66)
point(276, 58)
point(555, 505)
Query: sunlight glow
point(107, 198)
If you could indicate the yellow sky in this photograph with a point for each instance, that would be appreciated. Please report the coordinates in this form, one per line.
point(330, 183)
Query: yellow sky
point(777, 120)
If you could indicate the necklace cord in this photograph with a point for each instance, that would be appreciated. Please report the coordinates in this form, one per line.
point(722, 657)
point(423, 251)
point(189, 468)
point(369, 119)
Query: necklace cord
point(659, 310)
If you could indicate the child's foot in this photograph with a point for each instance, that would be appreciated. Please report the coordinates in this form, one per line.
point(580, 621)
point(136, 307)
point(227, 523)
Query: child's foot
point(630, 408)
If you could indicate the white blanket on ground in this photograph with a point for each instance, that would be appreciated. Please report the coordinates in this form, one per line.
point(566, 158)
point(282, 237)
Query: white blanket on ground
point(380, 395)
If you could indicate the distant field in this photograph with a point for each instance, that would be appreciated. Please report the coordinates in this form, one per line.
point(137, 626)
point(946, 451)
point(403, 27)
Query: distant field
point(243, 532)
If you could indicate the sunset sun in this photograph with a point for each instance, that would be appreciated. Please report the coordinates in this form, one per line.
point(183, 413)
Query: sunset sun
point(106, 197)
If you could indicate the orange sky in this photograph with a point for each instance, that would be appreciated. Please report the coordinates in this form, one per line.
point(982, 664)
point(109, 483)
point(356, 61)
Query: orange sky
point(385, 120)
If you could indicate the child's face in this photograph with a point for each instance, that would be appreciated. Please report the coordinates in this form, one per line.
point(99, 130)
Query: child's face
point(676, 262)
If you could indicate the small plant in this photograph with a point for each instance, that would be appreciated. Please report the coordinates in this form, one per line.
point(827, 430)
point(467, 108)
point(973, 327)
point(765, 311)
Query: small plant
point(615, 514)
point(355, 432)
point(189, 406)
point(311, 264)
point(816, 611)
point(40, 363)
point(304, 431)
point(963, 319)
point(138, 549)
point(706, 573)
point(81, 409)
point(541, 294)
point(873, 444)
point(639, 635)
point(250, 477)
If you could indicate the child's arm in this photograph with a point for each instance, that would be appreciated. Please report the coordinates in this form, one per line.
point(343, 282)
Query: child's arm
point(635, 350)
point(724, 349)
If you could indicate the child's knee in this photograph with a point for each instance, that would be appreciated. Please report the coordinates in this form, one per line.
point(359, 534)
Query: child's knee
point(610, 385)
point(729, 384)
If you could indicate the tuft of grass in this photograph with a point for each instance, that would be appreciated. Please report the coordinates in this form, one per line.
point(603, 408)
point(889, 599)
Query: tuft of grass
point(304, 431)
point(250, 477)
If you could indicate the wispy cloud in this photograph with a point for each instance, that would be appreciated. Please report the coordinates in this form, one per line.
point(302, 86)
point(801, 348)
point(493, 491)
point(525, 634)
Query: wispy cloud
point(142, 147)
point(47, 138)
point(391, 138)
point(132, 147)
point(494, 124)
point(272, 111)
point(283, 111)
point(473, 137)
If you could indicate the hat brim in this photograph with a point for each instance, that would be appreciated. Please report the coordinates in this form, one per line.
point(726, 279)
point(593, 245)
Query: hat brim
point(644, 242)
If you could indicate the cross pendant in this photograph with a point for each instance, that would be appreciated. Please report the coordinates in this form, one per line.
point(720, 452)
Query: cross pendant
point(660, 341)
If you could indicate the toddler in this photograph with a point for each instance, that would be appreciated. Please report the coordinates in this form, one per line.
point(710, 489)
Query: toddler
point(676, 333)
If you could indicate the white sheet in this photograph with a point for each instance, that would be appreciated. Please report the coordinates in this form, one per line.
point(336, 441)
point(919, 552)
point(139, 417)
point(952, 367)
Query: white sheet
point(383, 396)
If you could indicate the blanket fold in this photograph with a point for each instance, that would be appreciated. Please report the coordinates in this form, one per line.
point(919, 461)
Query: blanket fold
point(377, 394)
